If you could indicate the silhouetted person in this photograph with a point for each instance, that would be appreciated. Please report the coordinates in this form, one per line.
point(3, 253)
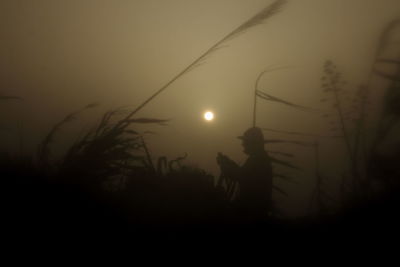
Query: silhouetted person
point(254, 177)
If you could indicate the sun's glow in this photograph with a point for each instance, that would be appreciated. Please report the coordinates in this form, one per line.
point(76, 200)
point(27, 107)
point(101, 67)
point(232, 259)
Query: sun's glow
point(208, 116)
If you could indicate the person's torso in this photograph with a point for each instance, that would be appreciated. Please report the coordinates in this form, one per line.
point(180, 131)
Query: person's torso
point(256, 178)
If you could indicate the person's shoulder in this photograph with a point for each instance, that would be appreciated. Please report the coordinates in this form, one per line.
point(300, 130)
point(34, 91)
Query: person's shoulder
point(257, 160)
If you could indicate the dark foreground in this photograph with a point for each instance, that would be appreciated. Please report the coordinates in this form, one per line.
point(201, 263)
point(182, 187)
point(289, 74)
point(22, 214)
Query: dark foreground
point(39, 209)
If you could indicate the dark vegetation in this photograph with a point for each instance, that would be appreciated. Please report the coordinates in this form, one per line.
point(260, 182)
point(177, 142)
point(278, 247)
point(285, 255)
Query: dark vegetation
point(106, 187)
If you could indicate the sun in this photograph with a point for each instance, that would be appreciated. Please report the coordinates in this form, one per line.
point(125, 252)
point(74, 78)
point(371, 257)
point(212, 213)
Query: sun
point(208, 116)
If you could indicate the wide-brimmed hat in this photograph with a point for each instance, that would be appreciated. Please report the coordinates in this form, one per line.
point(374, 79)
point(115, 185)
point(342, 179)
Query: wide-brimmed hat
point(253, 134)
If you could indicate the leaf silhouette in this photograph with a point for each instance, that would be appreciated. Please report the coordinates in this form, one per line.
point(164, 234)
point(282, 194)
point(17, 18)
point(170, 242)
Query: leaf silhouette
point(388, 76)
point(280, 190)
point(293, 133)
point(284, 177)
point(283, 163)
point(281, 153)
point(8, 97)
point(147, 120)
point(307, 144)
point(392, 61)
point(275, 99)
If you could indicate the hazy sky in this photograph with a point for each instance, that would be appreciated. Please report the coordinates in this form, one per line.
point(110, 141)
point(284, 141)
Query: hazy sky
point(60, 55)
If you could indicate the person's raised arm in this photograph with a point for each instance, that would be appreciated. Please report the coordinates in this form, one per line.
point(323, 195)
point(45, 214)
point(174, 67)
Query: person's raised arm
point(228, 167)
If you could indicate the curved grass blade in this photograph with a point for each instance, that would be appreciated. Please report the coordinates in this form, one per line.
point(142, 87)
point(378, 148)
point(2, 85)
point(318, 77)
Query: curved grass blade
point(8, 97)
point(147, 120)
point(44, 150)
point(301, 134)
point(281, 153)
point(388, 76)
point(269, 97)
point(280, 190)
point(284, 163)
point(300, 143)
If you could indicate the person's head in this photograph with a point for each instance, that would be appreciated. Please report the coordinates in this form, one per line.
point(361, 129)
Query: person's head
point(252, 141)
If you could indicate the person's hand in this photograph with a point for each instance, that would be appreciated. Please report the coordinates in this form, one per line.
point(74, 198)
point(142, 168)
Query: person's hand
point(227, 165)
point(223, 159)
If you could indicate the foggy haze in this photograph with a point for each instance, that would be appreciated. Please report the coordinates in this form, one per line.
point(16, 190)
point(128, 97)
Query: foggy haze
point(60, 56)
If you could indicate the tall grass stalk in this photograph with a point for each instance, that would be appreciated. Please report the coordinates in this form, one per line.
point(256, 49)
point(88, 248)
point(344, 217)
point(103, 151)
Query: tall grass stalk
point(257, 19)
point(333, 84)
point(360, 139)
point(383, 42)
